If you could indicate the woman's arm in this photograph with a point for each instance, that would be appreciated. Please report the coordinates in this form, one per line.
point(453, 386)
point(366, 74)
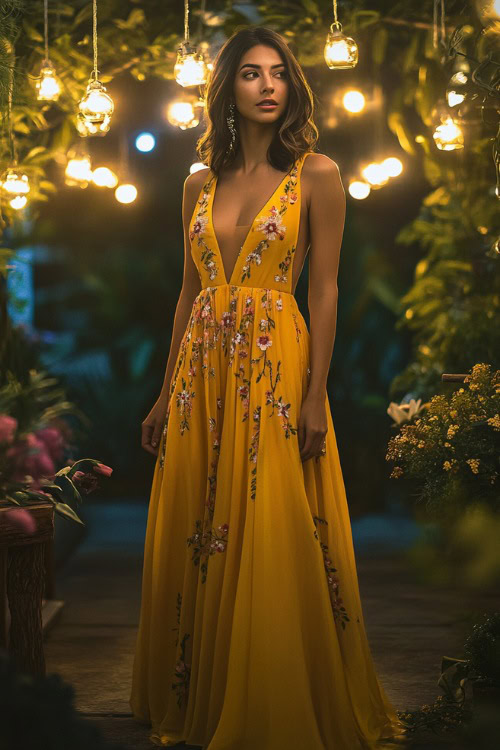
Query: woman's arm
point(326, 223)
point(326, 226)
point(152, 426)
point(191, 285)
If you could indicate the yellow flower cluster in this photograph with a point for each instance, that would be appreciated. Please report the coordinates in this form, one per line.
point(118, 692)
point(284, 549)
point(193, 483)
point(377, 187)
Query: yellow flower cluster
point(452, 430)
point(494, 421)
point(474, 464)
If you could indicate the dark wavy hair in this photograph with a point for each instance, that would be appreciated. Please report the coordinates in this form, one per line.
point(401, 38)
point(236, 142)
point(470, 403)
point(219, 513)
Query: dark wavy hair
point(296, 132)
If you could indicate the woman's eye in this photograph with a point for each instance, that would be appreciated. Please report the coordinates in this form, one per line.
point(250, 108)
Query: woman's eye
point(280, 72)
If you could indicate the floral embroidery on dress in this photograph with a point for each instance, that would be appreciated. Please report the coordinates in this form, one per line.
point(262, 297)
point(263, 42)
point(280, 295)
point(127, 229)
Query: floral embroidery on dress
point(198, 232)
point(207, 542)
point(253, 451)
point(184, 405)
point(284, 266)
point(271, 224)
point(182, 674)
point(339, 611)
point(178, 609)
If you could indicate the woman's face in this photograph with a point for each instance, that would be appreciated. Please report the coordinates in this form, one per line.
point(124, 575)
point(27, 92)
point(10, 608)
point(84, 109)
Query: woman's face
point(261, 74)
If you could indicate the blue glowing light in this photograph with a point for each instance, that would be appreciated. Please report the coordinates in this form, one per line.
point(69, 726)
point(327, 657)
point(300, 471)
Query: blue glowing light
point(145, 142)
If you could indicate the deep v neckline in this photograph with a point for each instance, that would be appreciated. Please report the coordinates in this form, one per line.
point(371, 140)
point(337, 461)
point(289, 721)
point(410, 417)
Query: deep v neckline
point(259, 212)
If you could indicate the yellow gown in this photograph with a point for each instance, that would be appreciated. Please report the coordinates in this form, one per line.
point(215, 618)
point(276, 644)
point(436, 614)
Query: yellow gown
point(251, 633)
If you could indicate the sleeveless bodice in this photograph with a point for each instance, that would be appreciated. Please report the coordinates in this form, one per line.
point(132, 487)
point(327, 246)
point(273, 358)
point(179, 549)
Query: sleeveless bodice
point(265, 259)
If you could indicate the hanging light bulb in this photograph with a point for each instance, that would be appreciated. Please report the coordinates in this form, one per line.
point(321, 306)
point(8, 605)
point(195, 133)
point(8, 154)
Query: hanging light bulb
point(15, 182)
point(48, 85)
point(455, 92)
point(18, 202)
point(190, 68)
point(96, 107)
point(448, 135)
point(340, 51)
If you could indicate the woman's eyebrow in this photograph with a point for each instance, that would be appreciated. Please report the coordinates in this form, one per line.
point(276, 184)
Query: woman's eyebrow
point(252, 65)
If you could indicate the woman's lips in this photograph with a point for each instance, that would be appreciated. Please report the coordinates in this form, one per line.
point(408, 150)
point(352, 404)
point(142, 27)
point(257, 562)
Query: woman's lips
point(267, 105)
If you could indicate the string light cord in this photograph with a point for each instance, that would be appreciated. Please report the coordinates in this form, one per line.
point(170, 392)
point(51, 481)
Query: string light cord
point(186, 23)
point(95, 72)
point(46, 28)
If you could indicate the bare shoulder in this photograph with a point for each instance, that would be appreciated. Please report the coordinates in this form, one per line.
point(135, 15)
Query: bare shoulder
point(320, 165)
point(322, 181)
point(194, 181)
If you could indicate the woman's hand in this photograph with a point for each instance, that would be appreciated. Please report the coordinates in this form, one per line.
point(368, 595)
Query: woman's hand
point(153, 424)
point(312, 427)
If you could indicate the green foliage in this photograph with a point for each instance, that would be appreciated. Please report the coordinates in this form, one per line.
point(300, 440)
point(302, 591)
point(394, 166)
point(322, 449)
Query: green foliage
point(461, 681)
point(482, 648)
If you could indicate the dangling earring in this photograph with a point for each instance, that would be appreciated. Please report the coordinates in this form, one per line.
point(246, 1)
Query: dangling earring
point(231, 126)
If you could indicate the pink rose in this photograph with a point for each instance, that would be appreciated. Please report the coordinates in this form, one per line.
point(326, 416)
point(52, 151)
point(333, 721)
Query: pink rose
point(103, 469)
point(8, 426)
point(29, 456)
point(22, 519)
point(53, 440)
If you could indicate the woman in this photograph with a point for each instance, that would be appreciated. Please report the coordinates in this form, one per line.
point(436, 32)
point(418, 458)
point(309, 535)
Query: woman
point(251, 633)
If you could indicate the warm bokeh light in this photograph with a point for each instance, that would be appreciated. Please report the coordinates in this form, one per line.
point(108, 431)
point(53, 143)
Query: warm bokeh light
point(78, 171)
point(182, 114)
point(18, 202)
point(104, 177)
point(353, 101)
point(145, 142)
point(359, 189)
point(375, 174)
point(196, 166)
point(392, 166)
point(48, 86)
point(448, 136)
point(126, 193)
point(190, 69)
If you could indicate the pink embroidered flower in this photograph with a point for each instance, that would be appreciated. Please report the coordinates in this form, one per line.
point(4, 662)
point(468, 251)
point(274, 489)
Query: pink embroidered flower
point(279, 304)
point(199, 226)
point(282, 410)
point(243, 391)
point(8, 426)
point(293, 198)
point(264, 342)
point(272, 225)
point(226, 319)
point(224, 527)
